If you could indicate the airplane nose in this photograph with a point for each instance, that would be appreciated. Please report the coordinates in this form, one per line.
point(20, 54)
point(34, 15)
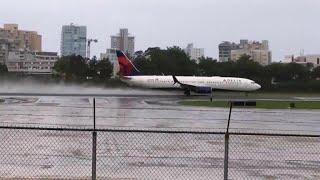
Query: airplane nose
point(258, 86)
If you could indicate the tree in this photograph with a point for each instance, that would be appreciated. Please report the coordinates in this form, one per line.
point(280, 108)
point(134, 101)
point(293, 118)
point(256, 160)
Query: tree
point(288, 72)
point(172, 61)
point(298, 72)
point(146, 65)
point(92, 67)
point(104, 69)
point(208, 67)
point(315, 74)
point(3, 69)
point(72, 67)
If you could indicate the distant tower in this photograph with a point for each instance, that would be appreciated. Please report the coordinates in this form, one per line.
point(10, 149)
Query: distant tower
point(73, 40)
point(301, 52)
point(123, 41)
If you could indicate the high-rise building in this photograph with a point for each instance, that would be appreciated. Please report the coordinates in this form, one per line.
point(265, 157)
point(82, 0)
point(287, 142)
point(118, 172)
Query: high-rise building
point(27, 40)
point(194, 53)
point(11, 38)
point(124, 42)
point(225, 50)
point(258, 51)
point(73, 40)
point(263, 57)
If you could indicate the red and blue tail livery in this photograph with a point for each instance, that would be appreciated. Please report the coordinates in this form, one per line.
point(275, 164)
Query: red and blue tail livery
point(126, 66)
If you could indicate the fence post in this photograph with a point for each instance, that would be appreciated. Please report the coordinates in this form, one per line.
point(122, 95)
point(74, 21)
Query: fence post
point(226, 146)
point(226, 155)
point(94, 155)
point(94, 143)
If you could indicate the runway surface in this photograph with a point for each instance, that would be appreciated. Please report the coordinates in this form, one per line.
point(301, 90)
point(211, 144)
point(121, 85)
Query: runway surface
point(67, 154)
point(148, 109)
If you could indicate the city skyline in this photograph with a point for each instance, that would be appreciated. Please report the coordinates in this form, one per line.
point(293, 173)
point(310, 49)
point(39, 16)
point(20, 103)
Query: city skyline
point(156, 23)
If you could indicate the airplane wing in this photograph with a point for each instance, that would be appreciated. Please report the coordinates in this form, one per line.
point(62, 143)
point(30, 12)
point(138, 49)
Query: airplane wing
point(195, 87)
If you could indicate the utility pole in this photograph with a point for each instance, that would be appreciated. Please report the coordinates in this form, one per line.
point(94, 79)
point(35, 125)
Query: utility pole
point(89, 44)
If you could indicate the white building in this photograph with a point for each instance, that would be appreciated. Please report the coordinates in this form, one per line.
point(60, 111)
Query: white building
point(313, 59)
point(124, 42)
point(194, 53)
point(288, 59)
point(112, 56)
point(31, 62)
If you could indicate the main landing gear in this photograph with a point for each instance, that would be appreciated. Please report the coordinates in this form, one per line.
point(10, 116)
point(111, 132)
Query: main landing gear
point(211, 95)
point(187, 92)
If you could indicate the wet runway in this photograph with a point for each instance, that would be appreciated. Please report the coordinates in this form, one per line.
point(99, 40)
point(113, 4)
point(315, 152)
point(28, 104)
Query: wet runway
point(43, 154)
point(148, 110)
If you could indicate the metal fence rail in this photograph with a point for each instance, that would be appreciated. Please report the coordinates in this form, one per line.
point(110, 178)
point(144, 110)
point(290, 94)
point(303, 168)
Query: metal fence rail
point(59, 153)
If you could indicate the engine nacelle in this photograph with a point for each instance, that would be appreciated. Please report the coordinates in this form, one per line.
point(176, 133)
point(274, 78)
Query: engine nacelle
point(203, 90)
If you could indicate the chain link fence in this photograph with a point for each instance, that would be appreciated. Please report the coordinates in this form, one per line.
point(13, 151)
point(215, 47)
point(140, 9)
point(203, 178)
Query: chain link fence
point(163, 155)
point(274, 157)
point(39, 153)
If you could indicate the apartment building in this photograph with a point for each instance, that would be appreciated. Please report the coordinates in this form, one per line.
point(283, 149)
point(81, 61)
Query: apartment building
point(225, 49)
point(258, 51)
point(31, 62)
point(13, 39)
point(313, 59)
point(124, 42)
point(194, 53)
point(26, 40)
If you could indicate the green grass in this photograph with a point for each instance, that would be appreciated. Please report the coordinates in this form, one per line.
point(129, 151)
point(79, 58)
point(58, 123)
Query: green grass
point(261, 94)
point(265, 104)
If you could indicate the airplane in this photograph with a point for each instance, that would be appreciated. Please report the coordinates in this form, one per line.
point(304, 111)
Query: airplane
point(198, 84)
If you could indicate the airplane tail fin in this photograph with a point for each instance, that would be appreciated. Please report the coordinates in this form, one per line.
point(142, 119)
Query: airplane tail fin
point(126, 66)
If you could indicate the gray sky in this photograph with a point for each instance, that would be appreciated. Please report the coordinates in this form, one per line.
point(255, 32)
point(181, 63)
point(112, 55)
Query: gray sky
point(289, 25)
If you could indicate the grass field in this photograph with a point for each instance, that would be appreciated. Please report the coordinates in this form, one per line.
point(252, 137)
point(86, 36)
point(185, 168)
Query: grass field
point(260, 94)
point(265, 104)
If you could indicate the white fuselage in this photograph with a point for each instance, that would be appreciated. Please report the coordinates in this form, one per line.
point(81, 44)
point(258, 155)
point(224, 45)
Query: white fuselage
point(215, 82)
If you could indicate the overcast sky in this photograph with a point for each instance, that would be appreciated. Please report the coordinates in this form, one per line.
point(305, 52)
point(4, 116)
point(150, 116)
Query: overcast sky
point(289, 25)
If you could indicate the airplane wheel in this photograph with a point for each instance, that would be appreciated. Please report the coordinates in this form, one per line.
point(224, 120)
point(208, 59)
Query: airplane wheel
point(187, 92)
